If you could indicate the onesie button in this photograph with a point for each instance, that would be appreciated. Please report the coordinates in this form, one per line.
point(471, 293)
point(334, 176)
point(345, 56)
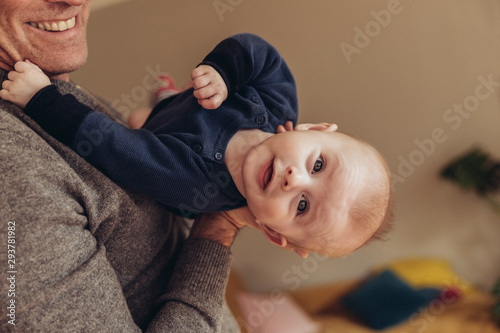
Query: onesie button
point(255, 99)
point(260, 120)
point(197, 148)
point(218, 156)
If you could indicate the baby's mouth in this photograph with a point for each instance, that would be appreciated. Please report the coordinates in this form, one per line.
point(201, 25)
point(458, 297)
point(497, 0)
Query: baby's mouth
point(268, 175)
point(55, 25)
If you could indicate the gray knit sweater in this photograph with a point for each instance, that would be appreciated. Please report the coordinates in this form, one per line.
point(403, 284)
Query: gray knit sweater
point(86, 255)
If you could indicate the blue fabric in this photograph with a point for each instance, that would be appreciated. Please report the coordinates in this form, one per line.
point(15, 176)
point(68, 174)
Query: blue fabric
point(386, 300)
point(178, 156)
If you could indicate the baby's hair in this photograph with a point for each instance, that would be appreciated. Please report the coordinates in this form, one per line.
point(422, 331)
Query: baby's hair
point(385, 204)
point(370, 208)
point(386, 226)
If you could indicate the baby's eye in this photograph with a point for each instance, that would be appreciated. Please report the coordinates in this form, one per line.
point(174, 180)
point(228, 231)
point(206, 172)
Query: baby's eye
point(318, 165)
point(302, 207)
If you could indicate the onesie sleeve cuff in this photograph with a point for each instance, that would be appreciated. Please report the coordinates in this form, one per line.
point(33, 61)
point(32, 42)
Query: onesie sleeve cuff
point(229, 59)
point(59, 115)
point(42, 97)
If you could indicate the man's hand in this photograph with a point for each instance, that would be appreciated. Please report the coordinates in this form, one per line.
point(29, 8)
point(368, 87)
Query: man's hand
point(221, 227)
point(23, 83)
point(209, 87)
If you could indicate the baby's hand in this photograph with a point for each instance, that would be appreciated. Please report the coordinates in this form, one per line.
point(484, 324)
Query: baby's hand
point(323, 127)
point(209, 87)
point(23, 83)
point(287, 128)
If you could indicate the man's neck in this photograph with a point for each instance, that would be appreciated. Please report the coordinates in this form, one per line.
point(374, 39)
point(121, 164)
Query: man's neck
point(62, 77)
point(237, 150)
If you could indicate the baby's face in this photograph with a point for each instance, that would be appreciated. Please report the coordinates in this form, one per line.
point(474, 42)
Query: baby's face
point(296, 179)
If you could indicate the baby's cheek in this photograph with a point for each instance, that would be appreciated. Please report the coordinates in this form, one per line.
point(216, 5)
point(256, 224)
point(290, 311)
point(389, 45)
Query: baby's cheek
point(270, 213)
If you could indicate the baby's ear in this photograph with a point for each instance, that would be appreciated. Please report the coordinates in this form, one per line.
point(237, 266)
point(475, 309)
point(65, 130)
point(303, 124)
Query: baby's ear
point(323, 127)
point(303, 253)
point(274, 236)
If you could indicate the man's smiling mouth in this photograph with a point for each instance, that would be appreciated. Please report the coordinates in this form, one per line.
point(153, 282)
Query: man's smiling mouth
point(55, 25)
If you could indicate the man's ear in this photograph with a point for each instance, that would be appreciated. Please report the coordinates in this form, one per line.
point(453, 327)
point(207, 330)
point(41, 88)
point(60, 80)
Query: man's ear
point(274, 236)
point(323, 127)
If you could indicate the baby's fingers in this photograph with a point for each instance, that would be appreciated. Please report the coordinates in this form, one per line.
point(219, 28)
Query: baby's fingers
point(287, 128)
point(5, 92)
point(198, 71)
point(200, 82)
point(25, 66)
point(22, 66)
point(211, 103)
point(199, 77)
point(34, 66)
point(17, 78)
point(205, 92)
point(13, 75)
point(6, 84)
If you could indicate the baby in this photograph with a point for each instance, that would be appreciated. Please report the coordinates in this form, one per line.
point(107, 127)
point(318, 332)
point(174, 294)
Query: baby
point(310, 189)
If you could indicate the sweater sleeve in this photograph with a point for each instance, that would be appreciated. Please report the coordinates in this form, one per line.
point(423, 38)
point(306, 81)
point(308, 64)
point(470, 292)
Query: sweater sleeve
point(194, 300)
point(248, 60)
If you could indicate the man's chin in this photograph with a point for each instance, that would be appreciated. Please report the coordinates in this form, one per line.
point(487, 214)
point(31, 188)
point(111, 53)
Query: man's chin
point(60, 65)
point(55, 69)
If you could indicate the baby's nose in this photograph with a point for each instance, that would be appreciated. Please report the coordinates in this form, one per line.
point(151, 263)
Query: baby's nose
point(293, 178)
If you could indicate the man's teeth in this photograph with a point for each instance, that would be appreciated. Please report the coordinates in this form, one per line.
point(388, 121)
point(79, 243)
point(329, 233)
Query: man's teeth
point(55, 25)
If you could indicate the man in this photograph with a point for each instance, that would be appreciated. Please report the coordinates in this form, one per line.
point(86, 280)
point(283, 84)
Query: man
point(78, 252)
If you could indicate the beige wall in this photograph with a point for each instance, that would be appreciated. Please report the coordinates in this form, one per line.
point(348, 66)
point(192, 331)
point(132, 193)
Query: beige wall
point(395, 90)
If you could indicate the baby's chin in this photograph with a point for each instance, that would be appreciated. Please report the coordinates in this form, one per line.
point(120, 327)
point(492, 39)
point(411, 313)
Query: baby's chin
point(254, 224)
point(260, 218)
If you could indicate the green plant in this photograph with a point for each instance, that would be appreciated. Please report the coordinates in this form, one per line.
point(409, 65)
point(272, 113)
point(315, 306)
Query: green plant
point(496, 307)
point(477, 171)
